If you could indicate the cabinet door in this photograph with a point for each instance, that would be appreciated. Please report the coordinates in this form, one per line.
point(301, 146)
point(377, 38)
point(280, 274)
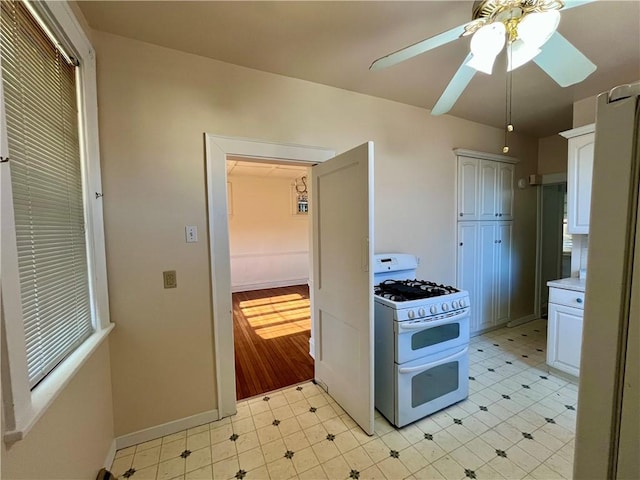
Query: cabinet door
point(488, 241)
point(488, 197)
point(580, 171)
point(503, 273)
point(467, 188)
point(506, 172)
point(564, 338)
point(467, 271)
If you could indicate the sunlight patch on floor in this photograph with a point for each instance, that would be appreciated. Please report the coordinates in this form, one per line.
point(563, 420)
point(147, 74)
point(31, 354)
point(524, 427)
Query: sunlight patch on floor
point(277, 316)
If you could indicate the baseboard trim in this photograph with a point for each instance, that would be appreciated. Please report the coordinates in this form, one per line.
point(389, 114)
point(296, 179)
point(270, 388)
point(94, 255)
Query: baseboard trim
point(276, 284)
point(166, 429)
point(312, 348)
point(111, 455)
point(521, 320)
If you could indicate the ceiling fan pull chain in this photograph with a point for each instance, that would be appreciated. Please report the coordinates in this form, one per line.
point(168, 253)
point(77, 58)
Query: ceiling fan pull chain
point(508, 100)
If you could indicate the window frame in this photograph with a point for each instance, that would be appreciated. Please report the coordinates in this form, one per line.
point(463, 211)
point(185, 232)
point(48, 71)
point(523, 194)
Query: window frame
point(22, 406)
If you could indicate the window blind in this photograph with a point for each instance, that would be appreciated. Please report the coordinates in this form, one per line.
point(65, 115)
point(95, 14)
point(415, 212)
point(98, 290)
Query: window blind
point(46, 178)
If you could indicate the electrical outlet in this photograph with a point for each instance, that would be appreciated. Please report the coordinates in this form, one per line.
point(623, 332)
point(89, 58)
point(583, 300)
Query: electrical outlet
point(170, 279)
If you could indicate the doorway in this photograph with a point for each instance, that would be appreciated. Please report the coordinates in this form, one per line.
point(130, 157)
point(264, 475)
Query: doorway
point(269, 256)
point(341, 282)
point(218, 150)
point(555, 241)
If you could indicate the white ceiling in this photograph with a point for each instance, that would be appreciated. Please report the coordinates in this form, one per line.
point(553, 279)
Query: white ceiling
point(333, 43)
point(238, 166)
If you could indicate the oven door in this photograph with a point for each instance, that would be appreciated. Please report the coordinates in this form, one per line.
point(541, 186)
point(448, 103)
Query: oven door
point(419, 338)
point(430, 384)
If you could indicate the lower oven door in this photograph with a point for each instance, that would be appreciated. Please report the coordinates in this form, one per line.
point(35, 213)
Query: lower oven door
point(419, 338)
point(429, 384)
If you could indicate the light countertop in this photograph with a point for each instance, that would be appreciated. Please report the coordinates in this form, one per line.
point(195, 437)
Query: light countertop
point(571, 283)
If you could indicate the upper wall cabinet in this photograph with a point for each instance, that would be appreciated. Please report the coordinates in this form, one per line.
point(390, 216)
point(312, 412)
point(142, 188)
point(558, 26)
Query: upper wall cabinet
point(579, 176)
point(485, 186)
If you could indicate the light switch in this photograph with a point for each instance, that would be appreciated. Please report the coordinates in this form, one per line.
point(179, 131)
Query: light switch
point(191, 233)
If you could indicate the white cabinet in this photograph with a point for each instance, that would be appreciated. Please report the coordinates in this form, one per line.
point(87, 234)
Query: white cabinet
point(484, 270)
point(468, 188)
point(564, 335)
point(579, 177)
point(485, 189)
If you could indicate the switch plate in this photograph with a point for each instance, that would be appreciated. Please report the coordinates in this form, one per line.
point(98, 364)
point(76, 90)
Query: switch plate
point(191, 233)
point(170, 279)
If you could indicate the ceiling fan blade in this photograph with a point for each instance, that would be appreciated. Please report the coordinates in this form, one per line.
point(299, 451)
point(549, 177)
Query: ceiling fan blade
point(418, 48)
point(563, 62)
point(455, 88)
point(575, 3)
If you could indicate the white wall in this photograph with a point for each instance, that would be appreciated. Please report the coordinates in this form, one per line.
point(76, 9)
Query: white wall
point(269, 244)
point(72, 439)
point(552, 155)
point(155, 104)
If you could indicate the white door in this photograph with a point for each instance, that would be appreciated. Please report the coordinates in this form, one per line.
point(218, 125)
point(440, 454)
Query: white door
point(580, 176)
point(488, 190)
point(503, 272)
point(467, 188)
point(565, 338)
point(468, 266)
point(342, 210)
point(488, 238)
point(506, 172)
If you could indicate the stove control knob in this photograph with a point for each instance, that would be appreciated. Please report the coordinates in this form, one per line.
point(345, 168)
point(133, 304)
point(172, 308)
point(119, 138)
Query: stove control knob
point(462, 302)
point(422, 312)
point(412, 314)
point(433, 309)
point(454, 304)
point(445, 307)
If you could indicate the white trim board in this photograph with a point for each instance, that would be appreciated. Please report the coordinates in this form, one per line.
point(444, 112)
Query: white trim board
point(111, 455)
point(217, 150)
point(165, 429)
point(462, 152)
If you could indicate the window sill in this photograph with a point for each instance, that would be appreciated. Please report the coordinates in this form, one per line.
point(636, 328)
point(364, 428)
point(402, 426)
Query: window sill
point(49, 389)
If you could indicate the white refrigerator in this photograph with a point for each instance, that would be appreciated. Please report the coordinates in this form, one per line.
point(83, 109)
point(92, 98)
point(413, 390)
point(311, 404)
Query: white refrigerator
point(608, 421)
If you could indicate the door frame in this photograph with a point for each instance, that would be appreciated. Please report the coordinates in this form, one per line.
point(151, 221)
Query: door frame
point(549, 179)
point(217, 148)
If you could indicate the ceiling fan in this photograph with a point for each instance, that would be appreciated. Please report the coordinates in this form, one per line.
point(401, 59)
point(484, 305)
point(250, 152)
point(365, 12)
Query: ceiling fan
point(528, 27)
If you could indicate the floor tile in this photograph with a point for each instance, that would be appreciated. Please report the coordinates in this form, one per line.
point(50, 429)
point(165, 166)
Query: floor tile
point(336, 468)
point(503, 430)
point(226, 468)
point(251, 459)
point(204, 473)
point(358, 459)
point(198, 459)
point(393, 468)
point(413, 459)
point(146, 458)
point(148, 473)
point(171, 468)
point(304, 460)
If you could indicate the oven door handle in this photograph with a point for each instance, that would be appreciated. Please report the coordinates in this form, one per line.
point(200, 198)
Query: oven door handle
point(426, 366)
point(423, 325)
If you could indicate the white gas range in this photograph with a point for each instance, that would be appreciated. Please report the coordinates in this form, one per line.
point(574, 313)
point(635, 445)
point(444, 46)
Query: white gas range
point(421, 341)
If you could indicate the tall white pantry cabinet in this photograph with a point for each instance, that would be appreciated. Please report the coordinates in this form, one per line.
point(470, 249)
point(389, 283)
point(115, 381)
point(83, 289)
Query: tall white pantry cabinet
point(485, 214)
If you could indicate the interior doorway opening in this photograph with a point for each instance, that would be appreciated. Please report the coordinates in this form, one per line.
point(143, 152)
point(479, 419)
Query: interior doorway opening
point(555, 241)
point(269, 249)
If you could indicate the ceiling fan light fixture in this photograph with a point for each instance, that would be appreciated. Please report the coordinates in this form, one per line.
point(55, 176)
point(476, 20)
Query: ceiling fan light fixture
point(520, 53)
point(536, 28)
point(486, 43)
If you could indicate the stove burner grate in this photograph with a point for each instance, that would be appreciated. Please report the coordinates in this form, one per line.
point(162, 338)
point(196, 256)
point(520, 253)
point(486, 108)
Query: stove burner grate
point(405, 290)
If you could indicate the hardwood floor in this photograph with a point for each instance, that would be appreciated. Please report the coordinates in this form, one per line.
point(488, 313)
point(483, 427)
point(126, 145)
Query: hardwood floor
point(271, 338)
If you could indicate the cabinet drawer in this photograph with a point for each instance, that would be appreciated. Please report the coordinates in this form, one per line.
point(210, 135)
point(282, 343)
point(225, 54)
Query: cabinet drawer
point(570, 298)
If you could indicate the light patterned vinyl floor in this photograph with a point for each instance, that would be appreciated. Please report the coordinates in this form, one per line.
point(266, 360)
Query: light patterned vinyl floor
point(518, 423)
